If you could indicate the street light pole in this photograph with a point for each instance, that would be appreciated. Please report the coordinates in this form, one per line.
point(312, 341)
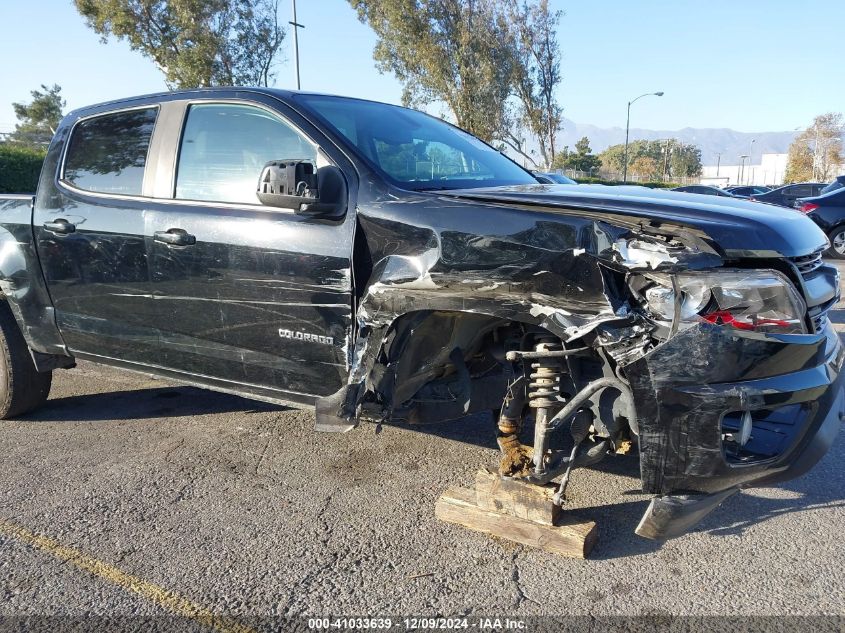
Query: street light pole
point(627, 129)
point(750, 156)
point(741, 168)
point(296, 26)
point(718, 163)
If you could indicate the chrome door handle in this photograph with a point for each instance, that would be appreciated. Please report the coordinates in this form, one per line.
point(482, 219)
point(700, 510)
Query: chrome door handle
point(60, 225)
point(175, 237)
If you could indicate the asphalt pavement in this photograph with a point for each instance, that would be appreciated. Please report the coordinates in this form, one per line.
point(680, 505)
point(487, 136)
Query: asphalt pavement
point(131, 496)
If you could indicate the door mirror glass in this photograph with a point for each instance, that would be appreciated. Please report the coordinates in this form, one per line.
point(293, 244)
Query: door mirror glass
point(292, 184)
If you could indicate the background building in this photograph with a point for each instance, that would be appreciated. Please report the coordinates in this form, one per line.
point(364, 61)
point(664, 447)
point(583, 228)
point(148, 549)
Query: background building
point(769, 171)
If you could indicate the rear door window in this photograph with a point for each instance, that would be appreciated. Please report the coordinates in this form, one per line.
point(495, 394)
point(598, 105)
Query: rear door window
point(226, 145)
point(799, 191)
point(108, 153)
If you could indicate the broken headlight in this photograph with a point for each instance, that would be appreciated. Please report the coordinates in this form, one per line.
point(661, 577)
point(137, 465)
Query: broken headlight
point(755, 300)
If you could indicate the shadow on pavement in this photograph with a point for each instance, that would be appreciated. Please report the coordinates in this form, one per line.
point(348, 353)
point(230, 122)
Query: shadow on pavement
point(139, 404)
point(821, 488)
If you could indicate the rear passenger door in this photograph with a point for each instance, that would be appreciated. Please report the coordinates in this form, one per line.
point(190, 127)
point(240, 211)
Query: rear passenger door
point(90, 236)
point(791, 194)
point(254, 297)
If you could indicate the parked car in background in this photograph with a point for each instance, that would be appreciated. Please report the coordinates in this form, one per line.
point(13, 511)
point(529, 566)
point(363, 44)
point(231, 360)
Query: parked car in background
point(551, 178)
point(838, 183)
point(787, 195)
point(828, 211)
point(747, 191)
point(705, 190)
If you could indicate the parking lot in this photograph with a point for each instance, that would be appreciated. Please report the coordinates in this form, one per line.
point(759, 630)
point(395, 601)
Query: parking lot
point(127, 495)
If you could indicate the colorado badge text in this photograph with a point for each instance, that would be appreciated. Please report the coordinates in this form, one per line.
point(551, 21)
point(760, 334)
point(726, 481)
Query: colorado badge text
point(305, 337)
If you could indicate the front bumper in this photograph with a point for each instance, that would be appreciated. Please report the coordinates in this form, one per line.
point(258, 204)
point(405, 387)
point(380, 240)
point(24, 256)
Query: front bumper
point(689, 387)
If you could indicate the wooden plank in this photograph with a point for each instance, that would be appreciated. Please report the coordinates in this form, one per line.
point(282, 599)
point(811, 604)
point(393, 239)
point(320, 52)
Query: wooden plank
point(515, 498)
point(571, 538)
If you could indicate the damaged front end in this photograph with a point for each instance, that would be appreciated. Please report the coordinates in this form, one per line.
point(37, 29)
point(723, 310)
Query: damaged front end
point(744, 387)
point(604, 333)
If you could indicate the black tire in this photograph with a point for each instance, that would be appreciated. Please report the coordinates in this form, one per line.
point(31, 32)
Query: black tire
point(837, 248)
point(22, 387)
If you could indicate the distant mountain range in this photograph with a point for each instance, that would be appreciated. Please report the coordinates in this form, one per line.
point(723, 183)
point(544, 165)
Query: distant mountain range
point(712, 141)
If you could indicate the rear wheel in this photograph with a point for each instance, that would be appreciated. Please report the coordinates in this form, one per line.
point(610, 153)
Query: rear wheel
point(22, 387)
point(837, 243)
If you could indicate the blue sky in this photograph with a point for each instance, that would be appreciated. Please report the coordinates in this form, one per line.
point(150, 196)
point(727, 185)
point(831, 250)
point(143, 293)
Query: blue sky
point(751, 65)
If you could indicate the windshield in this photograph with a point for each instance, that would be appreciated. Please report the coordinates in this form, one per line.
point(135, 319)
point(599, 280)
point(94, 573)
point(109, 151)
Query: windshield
point(836, 184)
point(414, 150)
point(559, 178)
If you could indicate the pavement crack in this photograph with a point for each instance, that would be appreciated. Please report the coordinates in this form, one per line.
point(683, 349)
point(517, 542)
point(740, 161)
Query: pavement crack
point(521, 596)
point(263, 453)
point(178, 445)
point(325, 508)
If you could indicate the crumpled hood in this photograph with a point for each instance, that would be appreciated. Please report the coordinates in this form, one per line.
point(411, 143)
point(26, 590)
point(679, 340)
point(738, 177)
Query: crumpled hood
point(740, 228)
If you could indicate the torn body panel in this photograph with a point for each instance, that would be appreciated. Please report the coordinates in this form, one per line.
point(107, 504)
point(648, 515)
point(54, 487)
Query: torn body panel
point(564, 274)
point(439, 282)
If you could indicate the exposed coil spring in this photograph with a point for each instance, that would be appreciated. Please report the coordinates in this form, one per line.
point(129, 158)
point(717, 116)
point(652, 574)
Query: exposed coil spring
point(544, 385)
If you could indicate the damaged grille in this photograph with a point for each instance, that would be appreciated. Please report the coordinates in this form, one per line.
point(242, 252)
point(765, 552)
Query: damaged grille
point(810, 268)
point(808, 263)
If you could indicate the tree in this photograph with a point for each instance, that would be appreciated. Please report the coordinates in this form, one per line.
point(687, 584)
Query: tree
point(816, 153)
point(582, 159)
point(645, 167)
point(195, 43)
point(494, 63)
point(454, 51)
point(682, 160)
point(582, 146)
point(613, 157)
point(536, 71)
point(39, 118)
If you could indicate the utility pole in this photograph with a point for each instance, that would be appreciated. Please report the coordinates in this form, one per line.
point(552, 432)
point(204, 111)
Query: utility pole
point(296, 26)
point(666, 157)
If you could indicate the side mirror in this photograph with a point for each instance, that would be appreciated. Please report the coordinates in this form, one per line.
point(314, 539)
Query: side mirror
point(293, 184)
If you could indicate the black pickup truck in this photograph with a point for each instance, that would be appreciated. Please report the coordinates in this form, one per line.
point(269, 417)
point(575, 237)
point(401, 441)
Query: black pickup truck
point(381, 264)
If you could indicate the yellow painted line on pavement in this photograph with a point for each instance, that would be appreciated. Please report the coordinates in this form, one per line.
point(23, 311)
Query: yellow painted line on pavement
point(165, 598)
